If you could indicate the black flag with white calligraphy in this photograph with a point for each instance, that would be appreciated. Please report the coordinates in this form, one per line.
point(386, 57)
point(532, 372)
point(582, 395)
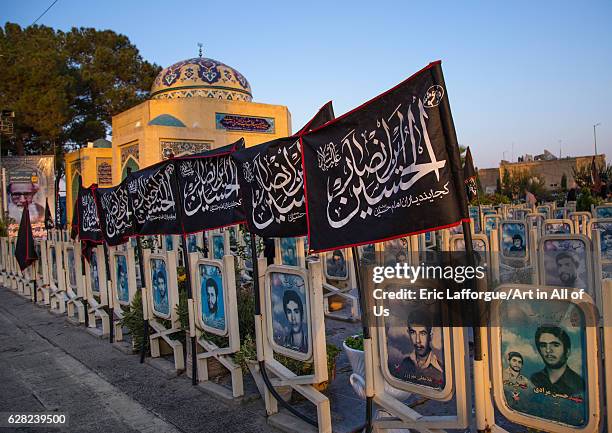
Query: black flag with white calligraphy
point(88, 221)
point(386, 169)
point(25, 253)
point(153, 196)
point(272, 183)
point(469, 175)
point(209, 189)
point(116, 216)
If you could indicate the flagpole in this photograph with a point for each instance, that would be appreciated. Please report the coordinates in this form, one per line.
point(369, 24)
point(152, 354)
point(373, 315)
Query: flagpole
point(111, 331)
point(365, 323)
point(145, 325)
point(451, 139)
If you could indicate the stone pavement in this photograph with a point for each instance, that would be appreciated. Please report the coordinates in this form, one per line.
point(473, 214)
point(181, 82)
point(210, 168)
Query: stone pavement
point(48, 364)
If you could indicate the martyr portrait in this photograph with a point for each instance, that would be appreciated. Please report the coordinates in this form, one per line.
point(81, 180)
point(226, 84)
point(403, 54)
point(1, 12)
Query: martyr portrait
point(290, 312)
point(159, 279)
point(121, 274)
point(212, 297)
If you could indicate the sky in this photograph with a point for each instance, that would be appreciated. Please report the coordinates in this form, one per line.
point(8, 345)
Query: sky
point(522, 76)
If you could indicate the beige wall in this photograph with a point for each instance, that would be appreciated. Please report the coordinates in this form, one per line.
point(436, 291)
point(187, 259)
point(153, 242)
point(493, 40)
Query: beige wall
point(83, 162)
point(198, 114)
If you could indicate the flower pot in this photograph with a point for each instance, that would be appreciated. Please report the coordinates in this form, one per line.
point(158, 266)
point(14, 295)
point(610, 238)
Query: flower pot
point(357, 360)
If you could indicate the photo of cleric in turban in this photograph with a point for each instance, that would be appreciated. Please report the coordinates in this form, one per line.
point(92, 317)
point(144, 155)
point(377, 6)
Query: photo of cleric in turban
point(290, 318)
point(212, 297)
point(423, 363)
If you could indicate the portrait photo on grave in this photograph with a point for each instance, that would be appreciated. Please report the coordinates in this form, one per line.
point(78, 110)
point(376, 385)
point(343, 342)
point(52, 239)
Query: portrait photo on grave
point(413, 345)
point(479, 246)
point(289, 307)
point(514, 239)
point(53, 264)
point(603, 212)
point(605, 238)
point(565, 264)
point(212, 298)
point(192, 243)
point(218, 241)
point(159, 282)
point(169, 242)
point(289, 251)
point(121, 278)
point(543, 360)
point(396, 251)
point(71, 268)
point(557, 228)
point(93, 272)
point(335, 265)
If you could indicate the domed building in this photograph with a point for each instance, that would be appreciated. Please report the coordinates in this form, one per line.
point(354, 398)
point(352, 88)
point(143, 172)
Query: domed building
point(195, 105)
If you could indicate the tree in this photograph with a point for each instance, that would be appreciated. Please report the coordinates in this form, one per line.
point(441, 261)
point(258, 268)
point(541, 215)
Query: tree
point(564, 182)
point(65, 87)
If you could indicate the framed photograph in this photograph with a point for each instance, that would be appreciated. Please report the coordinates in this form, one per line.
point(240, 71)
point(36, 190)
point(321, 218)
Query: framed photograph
point(560, 213)
point(168, 243)
point(604, 227)
point(558, 227)
point(289, 252)
point(122, 281)
point(367, 253)
point(513, 239)
point(71, 265)
point(94, 273)
point(475, 216)
point(288, 311)
point(212, 297)
point(192, 243)
point(159, 287)
point(218, 246)
point(480, 244)
point(415, 351)
point(545, 210)
point(396, 251)
point(604, 211)
point(565, 261)
point(53, 255)
point(544, 366)
point(535, 220)
point(335, 266)
point(491, 222)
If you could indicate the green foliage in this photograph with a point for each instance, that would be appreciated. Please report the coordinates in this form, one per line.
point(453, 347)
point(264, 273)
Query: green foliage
point(247, 352)
point(564, 182)
point(585, 199)
point(302, 368)
point(493, 199)
point(355, 342)
point(65, 86)
point(133, 320)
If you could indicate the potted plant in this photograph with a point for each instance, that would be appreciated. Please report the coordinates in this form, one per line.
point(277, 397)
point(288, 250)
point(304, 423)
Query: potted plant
point(353, 347)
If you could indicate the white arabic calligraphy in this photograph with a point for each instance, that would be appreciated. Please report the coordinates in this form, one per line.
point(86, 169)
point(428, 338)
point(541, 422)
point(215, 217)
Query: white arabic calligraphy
point(152, 196)
point(381, 163)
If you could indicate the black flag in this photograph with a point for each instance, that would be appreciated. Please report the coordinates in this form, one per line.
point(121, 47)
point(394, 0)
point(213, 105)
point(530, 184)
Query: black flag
point(25, 253)
point(386, 169)
point(48, 218)
point(469, 176)
point(209, 189)
point(272, 183)
point(88, 223)
point(114, 208)
point(153, 196)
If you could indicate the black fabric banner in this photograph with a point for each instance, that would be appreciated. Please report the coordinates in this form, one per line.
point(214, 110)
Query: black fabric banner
point(48, 218)
point(153, 195)
point(387, 169)
point(114, 208)
point(209, 189)
point(272, 183)
point(469, 175)
point(88, 221)
point(25, 253)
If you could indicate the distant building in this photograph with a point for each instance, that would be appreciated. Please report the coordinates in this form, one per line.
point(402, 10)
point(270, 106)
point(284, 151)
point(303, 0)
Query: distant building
point(546, 165)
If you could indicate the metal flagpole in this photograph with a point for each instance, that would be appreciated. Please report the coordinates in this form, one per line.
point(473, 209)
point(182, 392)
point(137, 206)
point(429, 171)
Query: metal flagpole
point(145, 327)
point(363, 304)
point(194, 355)
point(111, 332)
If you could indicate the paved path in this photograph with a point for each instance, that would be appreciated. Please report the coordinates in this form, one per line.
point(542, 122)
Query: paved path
point(48, 364)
